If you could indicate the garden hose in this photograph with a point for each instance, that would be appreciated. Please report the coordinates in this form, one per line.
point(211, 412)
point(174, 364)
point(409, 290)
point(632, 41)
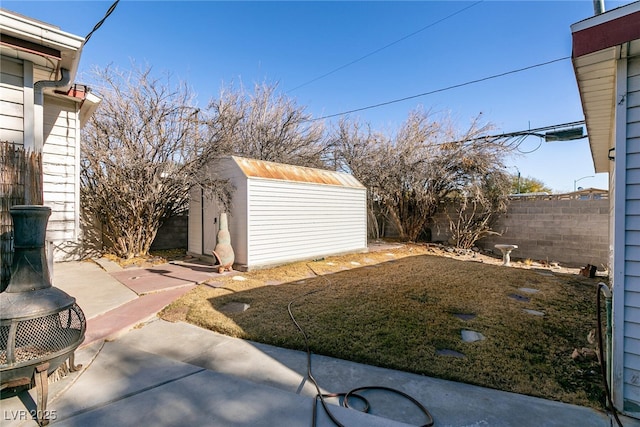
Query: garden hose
point(601, 359)
point(352, 394)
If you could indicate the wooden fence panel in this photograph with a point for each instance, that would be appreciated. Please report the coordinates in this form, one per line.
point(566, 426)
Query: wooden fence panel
point(20, 183)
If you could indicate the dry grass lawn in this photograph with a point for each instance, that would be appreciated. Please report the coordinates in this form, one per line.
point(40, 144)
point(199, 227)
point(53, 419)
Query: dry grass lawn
point(397, 308)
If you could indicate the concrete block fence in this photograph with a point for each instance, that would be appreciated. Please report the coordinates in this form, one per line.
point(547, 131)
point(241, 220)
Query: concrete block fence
point(571, 231)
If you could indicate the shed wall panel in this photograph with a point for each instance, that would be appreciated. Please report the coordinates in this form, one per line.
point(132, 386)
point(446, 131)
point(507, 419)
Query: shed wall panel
point(237, 218)
point(293, 220)
point(194, 238)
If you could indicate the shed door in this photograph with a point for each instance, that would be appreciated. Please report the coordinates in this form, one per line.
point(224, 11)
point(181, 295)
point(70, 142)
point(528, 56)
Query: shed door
point(209, 225)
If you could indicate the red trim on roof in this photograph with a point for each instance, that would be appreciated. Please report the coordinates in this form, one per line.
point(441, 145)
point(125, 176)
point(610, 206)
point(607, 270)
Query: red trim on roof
point(76, 91)
point(27, 46)
point(607, 34)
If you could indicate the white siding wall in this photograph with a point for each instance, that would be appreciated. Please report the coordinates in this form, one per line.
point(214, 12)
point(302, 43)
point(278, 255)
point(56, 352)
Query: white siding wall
point(204, 229)
point(275, 221)
point(11, 101)
point(293, 220)
point(238, 220)
point(61, 162)
point(632, 242)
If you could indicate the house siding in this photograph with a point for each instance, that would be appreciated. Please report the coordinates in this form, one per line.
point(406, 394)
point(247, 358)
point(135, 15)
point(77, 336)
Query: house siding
point(631, 358)
point(60, 175)
point(292, 221)
point(12, 101)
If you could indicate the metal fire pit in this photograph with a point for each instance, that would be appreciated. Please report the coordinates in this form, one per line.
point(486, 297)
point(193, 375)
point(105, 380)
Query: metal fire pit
point(40, 326)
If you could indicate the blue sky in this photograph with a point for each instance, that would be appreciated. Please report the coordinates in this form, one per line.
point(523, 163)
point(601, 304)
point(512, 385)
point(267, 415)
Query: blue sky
point(208, 43)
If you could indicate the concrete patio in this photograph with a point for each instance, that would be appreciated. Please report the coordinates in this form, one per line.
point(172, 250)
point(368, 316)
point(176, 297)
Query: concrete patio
point(140, 370)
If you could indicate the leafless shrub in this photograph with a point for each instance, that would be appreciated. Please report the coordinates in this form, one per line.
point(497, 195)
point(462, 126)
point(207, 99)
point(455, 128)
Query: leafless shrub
point(427, 162)
point(477, 206)
point(266, 125)
point(141, 151)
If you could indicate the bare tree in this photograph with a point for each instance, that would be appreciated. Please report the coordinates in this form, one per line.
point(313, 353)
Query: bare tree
point(141, 151)
point(474, 209)
point(411, 173)
point(266, 125)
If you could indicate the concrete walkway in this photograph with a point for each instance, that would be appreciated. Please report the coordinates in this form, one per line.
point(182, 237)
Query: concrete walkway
point(152, 372)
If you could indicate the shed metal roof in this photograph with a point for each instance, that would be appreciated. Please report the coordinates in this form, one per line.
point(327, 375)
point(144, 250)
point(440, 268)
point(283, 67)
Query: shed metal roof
point(253, 168)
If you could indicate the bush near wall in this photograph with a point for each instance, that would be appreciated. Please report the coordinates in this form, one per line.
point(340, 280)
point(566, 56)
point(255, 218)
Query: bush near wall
point(572, 229)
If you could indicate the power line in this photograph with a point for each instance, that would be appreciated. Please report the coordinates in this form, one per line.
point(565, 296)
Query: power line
point(495, 76)
point(518, 137)
point(384, 47)
point(536, 131)
point(99, 24)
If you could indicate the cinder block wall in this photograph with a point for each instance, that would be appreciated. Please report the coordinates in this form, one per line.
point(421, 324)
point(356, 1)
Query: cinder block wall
point(570, 231)
point(172, 234)
point(573, 232)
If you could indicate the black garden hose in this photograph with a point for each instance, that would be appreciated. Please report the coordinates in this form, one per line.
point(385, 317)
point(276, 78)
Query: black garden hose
point(603, 367)
point(352, 394)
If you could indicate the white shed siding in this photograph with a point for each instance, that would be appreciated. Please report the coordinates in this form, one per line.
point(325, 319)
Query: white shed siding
point(632, 241)
point(194, 239)
point(293, 220)
point(282, 213)
point(60, 162)
point(204, 214)
point(11, 101)
point(238, 218)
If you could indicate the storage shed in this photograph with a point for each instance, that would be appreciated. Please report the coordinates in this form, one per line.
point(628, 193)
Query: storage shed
point(281, 213)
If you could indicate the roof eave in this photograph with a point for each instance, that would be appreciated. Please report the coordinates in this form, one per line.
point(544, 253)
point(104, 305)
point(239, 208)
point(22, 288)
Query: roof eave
point(42, 34)
point(597, 45)
point(596, 77)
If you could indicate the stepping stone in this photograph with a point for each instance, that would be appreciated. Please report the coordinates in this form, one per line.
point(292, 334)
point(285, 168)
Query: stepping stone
point(465, 317)
point(471, 336)
point(519, 298)
point(534, 312)
point(235, 307)
point(529, 290)
point(452, 353)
